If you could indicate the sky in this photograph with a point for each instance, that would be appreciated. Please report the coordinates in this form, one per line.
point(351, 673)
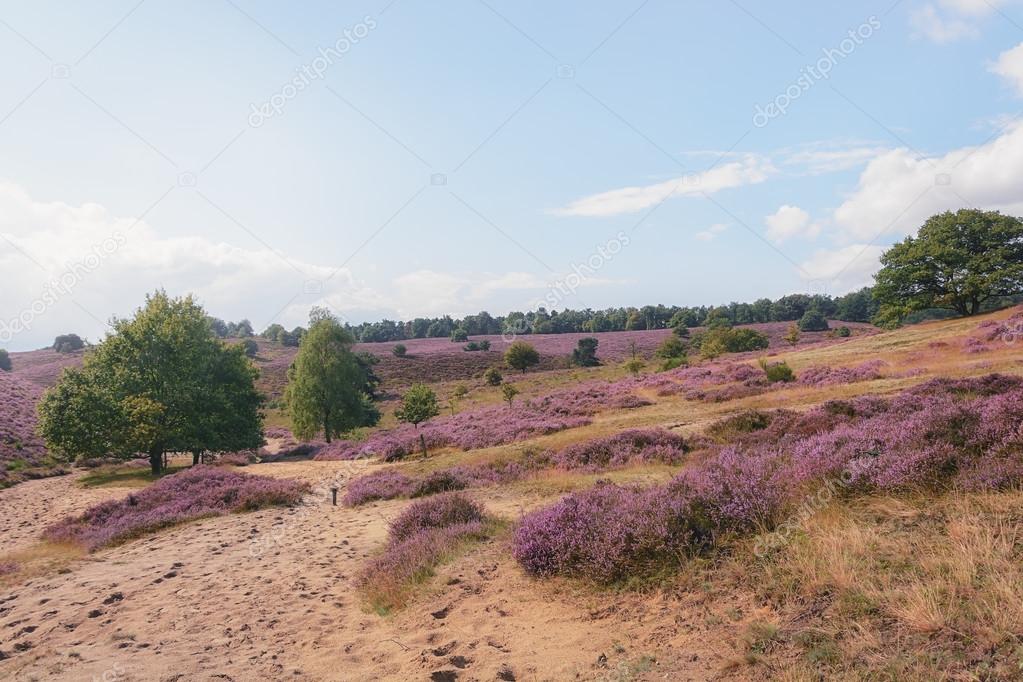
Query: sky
point(395, 158)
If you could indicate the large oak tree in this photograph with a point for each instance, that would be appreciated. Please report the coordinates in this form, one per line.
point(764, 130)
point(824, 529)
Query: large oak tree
point(160, 382)
point(957, 261)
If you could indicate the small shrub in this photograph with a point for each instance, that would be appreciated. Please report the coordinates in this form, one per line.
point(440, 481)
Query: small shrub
point(459, 391)
point(792, 336)
point(672, 348)
point(674, 363)
point(634, 366)
point(493, 377)
point(585, 353)
point(777, 371)
point(508, 392)
point(5, 360)
point(400, 350)
point(459, 336)
point(844, 332)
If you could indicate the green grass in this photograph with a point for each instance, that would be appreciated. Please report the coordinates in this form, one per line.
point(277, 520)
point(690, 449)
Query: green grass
point(121, 476)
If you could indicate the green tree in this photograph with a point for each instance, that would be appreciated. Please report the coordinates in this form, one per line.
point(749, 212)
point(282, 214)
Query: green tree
point(792, 336)
point(813, 321)
point(160, 382)
point(459, 336)
point(634, 366)
point(5, 360)
point(250, 347)
point(585, 353)
point(493, 376)
point(957, 261)
point(327, 384)
point(508, 392)
point(68, 343)
point(419, 404)
point(400, 350)
point(672, 347)
point(520, 355)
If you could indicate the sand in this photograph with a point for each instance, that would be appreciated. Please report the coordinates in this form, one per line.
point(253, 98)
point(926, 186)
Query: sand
point(270, 595)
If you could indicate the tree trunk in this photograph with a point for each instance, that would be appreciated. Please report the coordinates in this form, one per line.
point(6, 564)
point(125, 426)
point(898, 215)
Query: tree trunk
point(195, 457)
point(422, 441)
point(156, 462)
point(326, 426)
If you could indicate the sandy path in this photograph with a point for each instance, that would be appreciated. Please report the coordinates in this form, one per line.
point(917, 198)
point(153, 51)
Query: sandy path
point(269, 595)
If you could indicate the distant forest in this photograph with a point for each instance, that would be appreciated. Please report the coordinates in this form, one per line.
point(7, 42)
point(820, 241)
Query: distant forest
point(858, 306)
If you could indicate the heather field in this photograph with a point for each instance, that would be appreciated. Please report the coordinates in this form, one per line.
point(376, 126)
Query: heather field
point(860, 521)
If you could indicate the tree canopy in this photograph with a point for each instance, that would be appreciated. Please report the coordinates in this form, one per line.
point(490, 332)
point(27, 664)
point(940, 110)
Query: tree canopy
point(957, 261)
point(160, 382)
point(328, 388)
point(520, 355)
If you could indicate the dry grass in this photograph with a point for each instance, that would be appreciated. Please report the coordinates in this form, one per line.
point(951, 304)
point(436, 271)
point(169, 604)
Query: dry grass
point(889, 588)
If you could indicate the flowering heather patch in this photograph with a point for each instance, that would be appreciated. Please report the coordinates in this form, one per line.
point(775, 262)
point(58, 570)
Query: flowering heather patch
point(438, 512)
point(485, 427)
point(825, 376)
point(22, 452)
point(608, 533)
point(1008, 331)
point(191, 494)
point(419, 539)
point(379, 485)
point(43, 367)
point(965, 432)
point(646, 446)
point(7, 567)
point(236, 459)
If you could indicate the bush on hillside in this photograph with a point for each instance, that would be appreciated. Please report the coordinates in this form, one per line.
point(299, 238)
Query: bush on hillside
point(813, 321)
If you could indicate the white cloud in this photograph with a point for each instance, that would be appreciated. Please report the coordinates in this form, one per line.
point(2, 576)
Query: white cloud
point(1010, 67)
point(831, 156)
point(940, 27)
point(788, 222)
point(711, 232)
point(752, 169)
point(952, 20)
point(116, 261)
point(843, 269)
point(898, 191)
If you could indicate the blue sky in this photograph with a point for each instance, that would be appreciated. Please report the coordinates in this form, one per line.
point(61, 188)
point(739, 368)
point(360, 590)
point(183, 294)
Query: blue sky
point(454, 156)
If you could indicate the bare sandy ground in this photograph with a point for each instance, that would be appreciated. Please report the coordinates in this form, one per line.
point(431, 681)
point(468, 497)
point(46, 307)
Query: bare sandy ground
point(270, 595)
